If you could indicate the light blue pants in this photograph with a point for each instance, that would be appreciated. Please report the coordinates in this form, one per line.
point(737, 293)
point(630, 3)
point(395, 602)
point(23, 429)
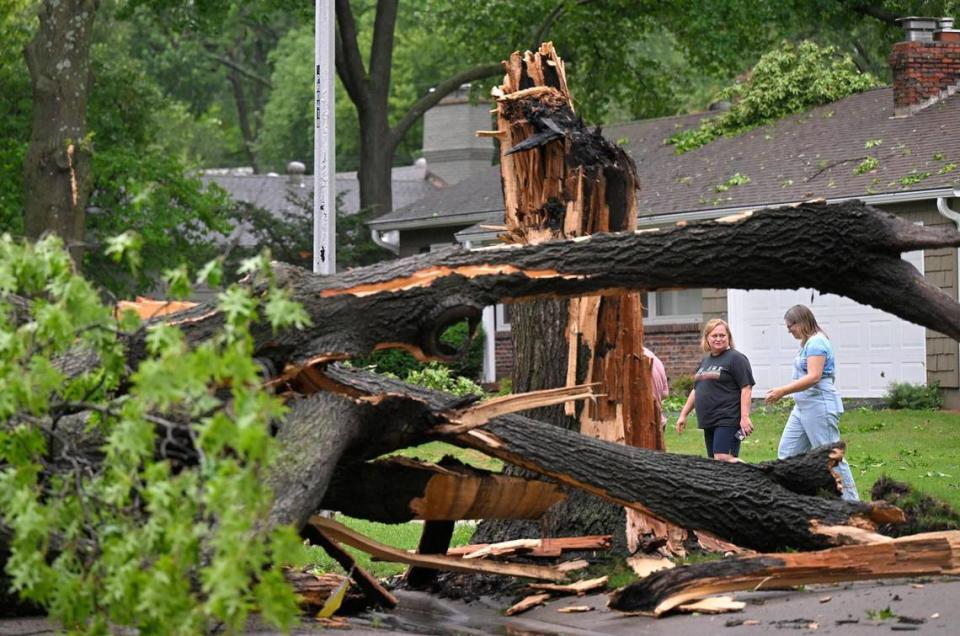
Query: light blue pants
point(814, 421)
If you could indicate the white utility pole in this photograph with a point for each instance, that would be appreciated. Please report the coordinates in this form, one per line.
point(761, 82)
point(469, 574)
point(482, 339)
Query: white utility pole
point(324, 157)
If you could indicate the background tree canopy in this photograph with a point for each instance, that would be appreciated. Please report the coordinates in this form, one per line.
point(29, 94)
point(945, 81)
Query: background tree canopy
point(182, 86)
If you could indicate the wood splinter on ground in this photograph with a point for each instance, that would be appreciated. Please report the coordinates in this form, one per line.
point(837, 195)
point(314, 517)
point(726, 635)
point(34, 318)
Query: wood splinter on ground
point(338, 532)
point(548, 547)
point(527, 603)
point(579, 588)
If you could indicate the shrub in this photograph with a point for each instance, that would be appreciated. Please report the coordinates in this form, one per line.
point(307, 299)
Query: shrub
point(673, 403)
point(921, 397)
point(439, 377)
point(682, 385)
point(401, 364)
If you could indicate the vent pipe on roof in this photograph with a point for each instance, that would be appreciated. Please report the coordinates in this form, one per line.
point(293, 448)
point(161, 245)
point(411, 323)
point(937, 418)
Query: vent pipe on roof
point(295, 172)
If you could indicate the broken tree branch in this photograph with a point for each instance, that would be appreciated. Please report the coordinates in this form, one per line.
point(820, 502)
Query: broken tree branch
point(399, 489)
point(758, 512)
point(930, 554)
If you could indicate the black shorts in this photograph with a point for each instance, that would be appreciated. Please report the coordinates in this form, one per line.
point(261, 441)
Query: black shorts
point(722, 439)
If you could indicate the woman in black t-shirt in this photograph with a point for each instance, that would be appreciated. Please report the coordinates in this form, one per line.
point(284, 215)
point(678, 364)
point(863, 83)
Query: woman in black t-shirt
point(722, 390)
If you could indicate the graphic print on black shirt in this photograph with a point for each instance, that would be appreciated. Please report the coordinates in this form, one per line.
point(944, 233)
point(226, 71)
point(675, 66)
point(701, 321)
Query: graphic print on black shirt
point(717, 385)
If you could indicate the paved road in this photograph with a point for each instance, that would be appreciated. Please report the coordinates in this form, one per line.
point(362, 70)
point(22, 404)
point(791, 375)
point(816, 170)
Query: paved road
point(915, 607)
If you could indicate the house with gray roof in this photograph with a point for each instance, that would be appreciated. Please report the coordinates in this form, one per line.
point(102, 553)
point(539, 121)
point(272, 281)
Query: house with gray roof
point(451, 152)
point(897, 148)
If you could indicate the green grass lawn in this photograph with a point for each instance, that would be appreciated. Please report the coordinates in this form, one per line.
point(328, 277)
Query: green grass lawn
point(921, 448)
point(918, 447)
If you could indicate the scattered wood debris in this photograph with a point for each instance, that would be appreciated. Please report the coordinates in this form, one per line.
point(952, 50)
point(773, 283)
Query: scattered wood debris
point(579, 588)
point(643, 565)
point(713, 605)
point(573, 566)
point(575, 609)
point(916, 555)
point(550, 547)
point(338, 532)
point(527, 603)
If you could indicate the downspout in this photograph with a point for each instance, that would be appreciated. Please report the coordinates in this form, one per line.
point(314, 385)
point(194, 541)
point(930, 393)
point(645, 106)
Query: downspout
point(385, 244)
point(947, 213)
point(945, 210)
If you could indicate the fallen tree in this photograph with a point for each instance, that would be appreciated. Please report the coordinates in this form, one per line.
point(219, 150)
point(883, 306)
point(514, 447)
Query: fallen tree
point(409, 303)
point(760, 513)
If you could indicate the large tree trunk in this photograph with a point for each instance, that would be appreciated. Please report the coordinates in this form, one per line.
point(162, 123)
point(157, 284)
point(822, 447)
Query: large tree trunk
point(57, 167)
point(376, 162)
point(408, 303)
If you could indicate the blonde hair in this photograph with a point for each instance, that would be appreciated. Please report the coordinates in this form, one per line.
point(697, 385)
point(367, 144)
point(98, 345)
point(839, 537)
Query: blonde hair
point(802, 317)
point(710, 326)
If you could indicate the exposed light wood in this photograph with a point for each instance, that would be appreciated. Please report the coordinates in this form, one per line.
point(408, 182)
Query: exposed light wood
point(579, 588)
point(481, 413)
point(644, 565)
point(339, 532)
point(929, 554)
point(547, 547)
point(713, 605)
point(527, 603)
point(573, 566)
point(148, 308)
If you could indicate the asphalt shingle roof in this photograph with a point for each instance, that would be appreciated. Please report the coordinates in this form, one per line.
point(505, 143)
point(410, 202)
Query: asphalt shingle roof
point(273, 191)
point(810, 155)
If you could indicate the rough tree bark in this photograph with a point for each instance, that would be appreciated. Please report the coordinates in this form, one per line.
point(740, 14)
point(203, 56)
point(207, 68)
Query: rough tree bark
point(409, 302)
point(57, 167)
point(758, 511)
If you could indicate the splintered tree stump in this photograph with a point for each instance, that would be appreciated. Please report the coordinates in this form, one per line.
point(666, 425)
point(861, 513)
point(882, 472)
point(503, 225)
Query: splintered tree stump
point(561, 180)
point(932, 554)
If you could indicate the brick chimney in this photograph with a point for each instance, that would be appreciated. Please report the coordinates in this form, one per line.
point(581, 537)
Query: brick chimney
point(926, 65)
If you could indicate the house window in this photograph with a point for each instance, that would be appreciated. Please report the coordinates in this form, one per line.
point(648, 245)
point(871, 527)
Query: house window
point(503, 317)
point(680, 305)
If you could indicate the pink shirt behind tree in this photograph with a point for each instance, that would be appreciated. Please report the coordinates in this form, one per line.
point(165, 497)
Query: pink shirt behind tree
point(660, 387)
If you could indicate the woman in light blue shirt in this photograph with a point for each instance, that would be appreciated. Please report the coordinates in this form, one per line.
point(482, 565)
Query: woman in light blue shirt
point(814, 421)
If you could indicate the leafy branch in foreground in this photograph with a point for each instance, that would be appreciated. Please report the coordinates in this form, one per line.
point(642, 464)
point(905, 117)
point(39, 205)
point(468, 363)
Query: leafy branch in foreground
point(136, 499)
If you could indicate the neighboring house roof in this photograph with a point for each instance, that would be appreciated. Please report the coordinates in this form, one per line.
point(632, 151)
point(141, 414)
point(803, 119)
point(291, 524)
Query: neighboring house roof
point(469, 201)
point(810, 155)
point(273, 191)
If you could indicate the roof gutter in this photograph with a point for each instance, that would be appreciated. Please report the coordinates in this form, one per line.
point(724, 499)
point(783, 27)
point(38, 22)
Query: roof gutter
point(940, 194)
point(445, 220)
point(873, 199)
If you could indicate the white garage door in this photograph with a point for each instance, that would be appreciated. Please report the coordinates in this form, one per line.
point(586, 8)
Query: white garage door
point(873, 348)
